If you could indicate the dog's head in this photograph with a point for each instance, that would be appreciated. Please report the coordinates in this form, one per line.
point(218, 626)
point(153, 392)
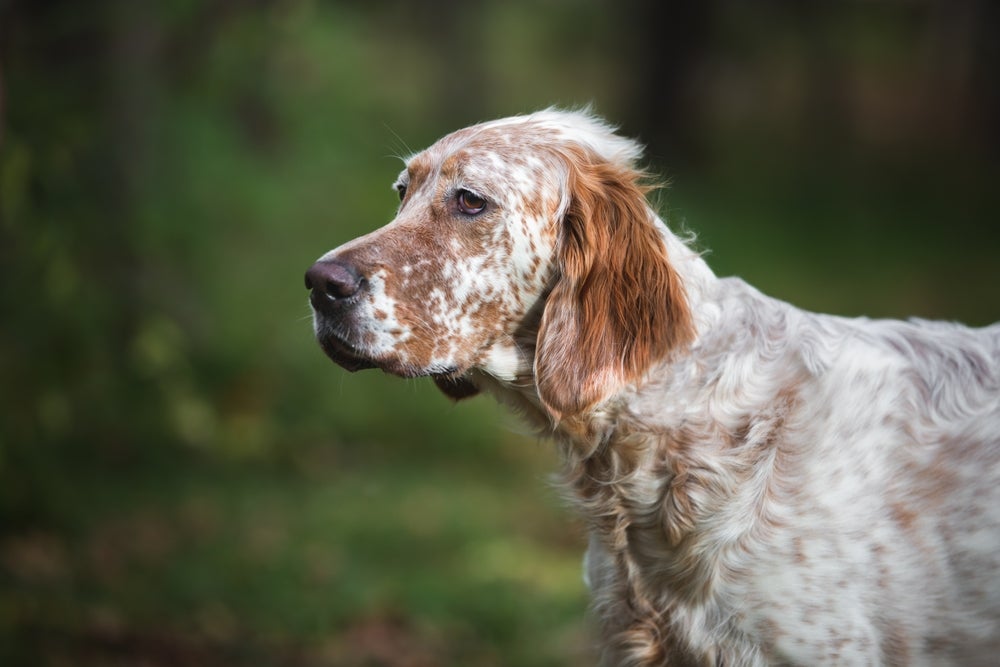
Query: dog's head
point(522, 248)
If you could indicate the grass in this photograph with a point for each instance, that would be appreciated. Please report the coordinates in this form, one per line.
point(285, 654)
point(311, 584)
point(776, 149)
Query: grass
point(314, 564)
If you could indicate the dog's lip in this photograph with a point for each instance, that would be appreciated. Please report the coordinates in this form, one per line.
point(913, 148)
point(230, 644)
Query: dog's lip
point(348, 356)
point(344, 353)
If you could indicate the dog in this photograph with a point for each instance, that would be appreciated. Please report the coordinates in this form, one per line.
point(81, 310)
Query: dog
point(761, 485)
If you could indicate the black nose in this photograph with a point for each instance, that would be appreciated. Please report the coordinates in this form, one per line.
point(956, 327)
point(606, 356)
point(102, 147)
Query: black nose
point(333, 279)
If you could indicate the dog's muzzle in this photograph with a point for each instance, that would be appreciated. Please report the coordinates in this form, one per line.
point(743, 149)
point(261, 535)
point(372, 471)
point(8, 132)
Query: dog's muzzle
point(334, 286)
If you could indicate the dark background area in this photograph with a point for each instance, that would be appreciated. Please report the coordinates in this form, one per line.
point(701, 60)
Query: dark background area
point(184, 477)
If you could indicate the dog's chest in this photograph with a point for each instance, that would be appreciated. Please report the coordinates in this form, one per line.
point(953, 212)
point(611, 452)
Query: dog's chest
point(718, 563)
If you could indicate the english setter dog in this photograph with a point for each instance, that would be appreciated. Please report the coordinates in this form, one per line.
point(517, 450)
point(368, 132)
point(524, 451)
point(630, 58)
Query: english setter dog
point(761, 485)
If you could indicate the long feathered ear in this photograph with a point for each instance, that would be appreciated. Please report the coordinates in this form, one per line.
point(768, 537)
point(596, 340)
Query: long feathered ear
point(618, 306)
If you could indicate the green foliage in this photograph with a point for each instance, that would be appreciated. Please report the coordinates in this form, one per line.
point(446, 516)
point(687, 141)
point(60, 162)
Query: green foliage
point(289, 566)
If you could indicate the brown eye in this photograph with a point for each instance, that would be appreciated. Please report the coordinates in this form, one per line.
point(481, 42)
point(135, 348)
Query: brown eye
point(401, 189)
point(470, 203)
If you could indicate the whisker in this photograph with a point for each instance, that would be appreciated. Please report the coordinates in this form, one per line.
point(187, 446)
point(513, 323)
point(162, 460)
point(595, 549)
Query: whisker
point(409, 151)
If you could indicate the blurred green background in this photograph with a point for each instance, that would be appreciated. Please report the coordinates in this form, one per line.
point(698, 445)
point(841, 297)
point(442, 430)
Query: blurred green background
point(186, 480)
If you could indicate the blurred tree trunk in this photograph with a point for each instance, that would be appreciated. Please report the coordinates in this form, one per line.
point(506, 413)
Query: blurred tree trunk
point(669, 41)
point(78, 92)
point(128, 109)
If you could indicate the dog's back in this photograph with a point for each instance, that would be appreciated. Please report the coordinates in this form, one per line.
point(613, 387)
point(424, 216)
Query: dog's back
point(818, 490)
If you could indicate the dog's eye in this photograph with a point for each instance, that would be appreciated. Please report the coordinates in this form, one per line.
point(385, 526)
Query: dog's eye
point(401, 189)
point(470, 203)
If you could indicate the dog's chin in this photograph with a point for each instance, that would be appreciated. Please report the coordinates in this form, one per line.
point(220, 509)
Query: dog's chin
point(344, 355)
point(353, 359)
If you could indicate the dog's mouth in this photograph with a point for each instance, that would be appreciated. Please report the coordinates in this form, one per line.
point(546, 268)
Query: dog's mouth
point(354, 341)
point(352, 357)
point(343, 353)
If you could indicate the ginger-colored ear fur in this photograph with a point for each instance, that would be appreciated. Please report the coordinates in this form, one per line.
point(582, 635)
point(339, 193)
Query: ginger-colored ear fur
point(617, 306)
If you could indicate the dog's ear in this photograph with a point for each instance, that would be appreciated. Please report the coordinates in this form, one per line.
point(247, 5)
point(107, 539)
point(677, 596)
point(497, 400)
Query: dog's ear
point(617, 305)
point(455, 388)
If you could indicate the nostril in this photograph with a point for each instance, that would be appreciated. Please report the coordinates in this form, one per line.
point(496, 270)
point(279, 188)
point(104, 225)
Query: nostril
point(336, 280)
